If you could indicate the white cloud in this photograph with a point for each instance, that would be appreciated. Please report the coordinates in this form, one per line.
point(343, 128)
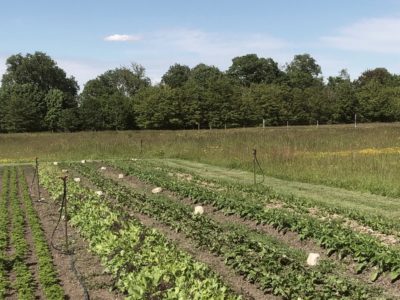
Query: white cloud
point(122, 38)
point(380, 35)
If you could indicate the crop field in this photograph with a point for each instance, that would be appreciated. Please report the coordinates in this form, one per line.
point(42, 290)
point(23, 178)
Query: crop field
point(176, 214)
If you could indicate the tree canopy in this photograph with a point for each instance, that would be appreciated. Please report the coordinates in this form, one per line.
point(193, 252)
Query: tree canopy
point(37, 95)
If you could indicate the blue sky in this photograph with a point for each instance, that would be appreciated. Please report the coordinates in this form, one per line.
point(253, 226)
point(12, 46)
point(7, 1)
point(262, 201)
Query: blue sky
point(89, 37)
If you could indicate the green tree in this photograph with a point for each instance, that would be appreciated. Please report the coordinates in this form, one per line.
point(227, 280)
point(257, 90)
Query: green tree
point(342, 96)
point(54, 100)
point(250, 69)
point(106, 102)
point(380, 75)
point(21, 108)
point(40, 70)
point(158, 107)
point(303, 71)
point(176, 76)
point(379, 103)
point(40, 74)
point(211, 98)
point(266, 102)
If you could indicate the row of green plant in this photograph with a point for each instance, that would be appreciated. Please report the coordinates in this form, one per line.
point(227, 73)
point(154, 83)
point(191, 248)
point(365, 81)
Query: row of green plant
point(3, 232)
point(143, 262)
point(366, 250)
point(276, 270)
point(47, 273)
point(262, 195)
point(24, 282)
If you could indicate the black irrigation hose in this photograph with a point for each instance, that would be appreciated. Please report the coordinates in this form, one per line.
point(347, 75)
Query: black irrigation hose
point(259, 166)
point(69, 253)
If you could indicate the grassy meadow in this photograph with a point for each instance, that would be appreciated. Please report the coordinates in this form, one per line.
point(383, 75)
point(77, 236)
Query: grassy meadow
point(365, 158)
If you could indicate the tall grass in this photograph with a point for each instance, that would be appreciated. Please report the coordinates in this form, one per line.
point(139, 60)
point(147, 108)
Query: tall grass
point(328, 154)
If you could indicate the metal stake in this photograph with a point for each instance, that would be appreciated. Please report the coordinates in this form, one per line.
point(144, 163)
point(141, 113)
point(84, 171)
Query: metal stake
point(64, 179)
point(254, 164)
point(38, 181)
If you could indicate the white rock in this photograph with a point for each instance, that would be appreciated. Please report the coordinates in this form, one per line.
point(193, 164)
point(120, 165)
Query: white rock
point(83, 161)
point(120, 176)
point(134, 159)
point(64, 170)
point(312, 259)
point(198, 210)
point(55, 163)
point(77, 179)
point(156, 190)
point(99, 193)
point(103, 168)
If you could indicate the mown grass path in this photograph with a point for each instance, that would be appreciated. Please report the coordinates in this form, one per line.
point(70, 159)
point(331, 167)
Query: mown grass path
point(363, 202)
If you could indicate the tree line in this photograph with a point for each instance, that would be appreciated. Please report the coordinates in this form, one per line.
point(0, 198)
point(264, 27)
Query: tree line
point(37, 95)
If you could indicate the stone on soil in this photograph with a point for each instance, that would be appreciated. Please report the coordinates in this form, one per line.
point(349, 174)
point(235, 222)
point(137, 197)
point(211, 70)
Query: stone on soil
point(198, 210)
point(312, 259)
point(156, 190)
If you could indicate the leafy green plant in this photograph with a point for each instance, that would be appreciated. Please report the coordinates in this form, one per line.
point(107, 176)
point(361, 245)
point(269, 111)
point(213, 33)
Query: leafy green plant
point(144, 263)
point(271, 267)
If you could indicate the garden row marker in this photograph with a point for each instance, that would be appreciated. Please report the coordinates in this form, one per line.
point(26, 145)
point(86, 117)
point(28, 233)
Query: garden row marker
point(64, 203)
point(355, 120)
point(36, 176)
point(254, 164)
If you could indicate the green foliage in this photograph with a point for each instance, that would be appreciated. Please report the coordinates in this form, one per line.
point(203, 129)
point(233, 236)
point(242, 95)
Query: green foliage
point(250, 69)
point(158, 107)
point(22, 108)
point(106, 102)
point(27, 98)
point(176, 76)
point(275, 268)
point(145, 264)
point(252, 89)
point(265, 102)
point(40, 70)
point(303, 71)
point(54, 101)
point(4, 221)
point(329, 234)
